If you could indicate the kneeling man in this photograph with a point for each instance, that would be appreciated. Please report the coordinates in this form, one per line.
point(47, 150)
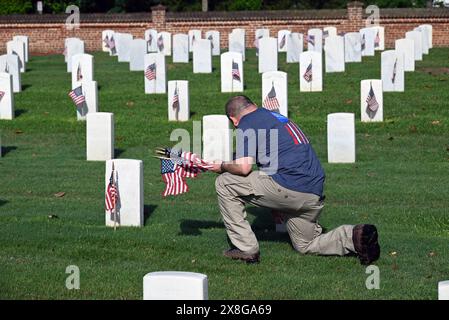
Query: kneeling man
point(290, 180)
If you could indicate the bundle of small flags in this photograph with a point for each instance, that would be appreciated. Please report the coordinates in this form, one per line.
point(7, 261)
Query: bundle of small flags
point(176, 166)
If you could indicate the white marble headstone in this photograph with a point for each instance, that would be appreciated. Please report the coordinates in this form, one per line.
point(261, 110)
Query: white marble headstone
point(334, 48)
point(295, 44)
point(406, 48)
point(82, 68)
point(310, 71)
point(178, 100)
point(128, 175)
point(180, 48)
point(73, 46)
point(18, 48)
point(9, 63)
point(417, 40)
point(367, 36)
point(443, 290)
point(100, 136)
point(7, 100)
point(424, 40)
point(123, 44)
point(217, 138)
point(26, 42)
point(315, 40)
point(175, 285)
point(282, 40)
point(329, 32)
point(237, 41)
point(151, 40)
point(428, 29)
point(138, 51)
point(392, 71)
point(379, 38)
point(157, 85)
point(340, 138)
point(353, 47)
point(193, 36)
point(274, 92)
point(371, 102)
point(268, 55)
point(214, 37)
point(259, 34)
point(90, 92)
point(202, 56)
point(229, 81)
point(105, 38)
point(164, 43)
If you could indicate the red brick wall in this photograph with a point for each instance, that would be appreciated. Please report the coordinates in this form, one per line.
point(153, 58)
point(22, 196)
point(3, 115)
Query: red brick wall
point(49, 37)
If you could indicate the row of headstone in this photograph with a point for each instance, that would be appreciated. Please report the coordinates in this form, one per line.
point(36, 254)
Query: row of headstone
point(12, 64)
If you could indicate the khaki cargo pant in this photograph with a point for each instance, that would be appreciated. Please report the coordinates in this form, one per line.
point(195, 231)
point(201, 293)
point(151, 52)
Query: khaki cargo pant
point(302, 211)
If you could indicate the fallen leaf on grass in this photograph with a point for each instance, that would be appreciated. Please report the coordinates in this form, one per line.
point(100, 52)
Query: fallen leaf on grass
point(18, 131)
point(349, 101)
point(393, 253)
point(370, 174)
point(432, 254)
point(436, 122)
point(59, 194)
point(130, 104)
point(413, 129)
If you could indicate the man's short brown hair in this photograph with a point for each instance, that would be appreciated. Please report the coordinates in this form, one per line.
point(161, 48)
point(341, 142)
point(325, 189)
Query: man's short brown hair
point(236, 105)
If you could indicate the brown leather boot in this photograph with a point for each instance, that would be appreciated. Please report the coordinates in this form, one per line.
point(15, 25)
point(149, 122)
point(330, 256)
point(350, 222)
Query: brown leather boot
point(237, 254)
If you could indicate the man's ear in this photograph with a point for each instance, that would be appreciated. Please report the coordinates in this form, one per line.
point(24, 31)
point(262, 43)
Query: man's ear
point(235, 121)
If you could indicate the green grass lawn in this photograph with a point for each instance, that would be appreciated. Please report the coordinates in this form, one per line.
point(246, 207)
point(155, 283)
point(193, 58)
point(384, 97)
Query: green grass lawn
point(400, 182)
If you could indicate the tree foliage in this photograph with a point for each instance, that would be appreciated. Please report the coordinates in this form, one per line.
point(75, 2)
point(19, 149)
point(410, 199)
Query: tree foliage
point(58, 6)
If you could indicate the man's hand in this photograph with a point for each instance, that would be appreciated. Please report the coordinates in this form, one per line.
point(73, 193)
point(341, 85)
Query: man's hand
point(216, 167)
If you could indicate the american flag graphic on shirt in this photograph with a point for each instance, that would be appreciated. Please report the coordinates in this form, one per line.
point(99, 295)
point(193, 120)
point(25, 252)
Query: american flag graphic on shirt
point(298, 137)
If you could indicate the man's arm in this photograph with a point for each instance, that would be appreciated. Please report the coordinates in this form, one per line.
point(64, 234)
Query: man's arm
point(240, 167)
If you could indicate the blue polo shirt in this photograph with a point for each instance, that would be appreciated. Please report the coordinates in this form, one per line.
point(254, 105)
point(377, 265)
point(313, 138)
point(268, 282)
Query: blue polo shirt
point(295, 166)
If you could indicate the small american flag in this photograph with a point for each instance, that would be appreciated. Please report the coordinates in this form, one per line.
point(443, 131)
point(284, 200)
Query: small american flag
point(393, 77)
point(308, 74)
point(174, 178)
point(256, 43)
point(211, 39)
point(2, 94)
point(325, 33)
point(6, 67)
point(175, 103)
point(111, 192)
point(363, 42)
point(77, 96)
point(193, 39)
point(311, 39)
point(150, 40)
point(377, 40)
point(79, 75)
point(150, 72)
point(372, 104)
point(282, 43)
point(112, 45)
point(271, 102)
point(160, 43)
point(235, 71)
point(106, 41)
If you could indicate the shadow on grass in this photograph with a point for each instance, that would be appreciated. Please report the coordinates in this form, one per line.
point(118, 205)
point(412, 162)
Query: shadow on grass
point(6, 150)
point(19, 112)
point(147, 212)
point(192, 227)
point(118, 152)
point(264, 226)
point(2, 202)
point(26, 86)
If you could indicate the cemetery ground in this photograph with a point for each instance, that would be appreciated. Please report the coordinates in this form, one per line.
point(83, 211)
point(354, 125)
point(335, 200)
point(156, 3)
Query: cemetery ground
point(399, 182)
